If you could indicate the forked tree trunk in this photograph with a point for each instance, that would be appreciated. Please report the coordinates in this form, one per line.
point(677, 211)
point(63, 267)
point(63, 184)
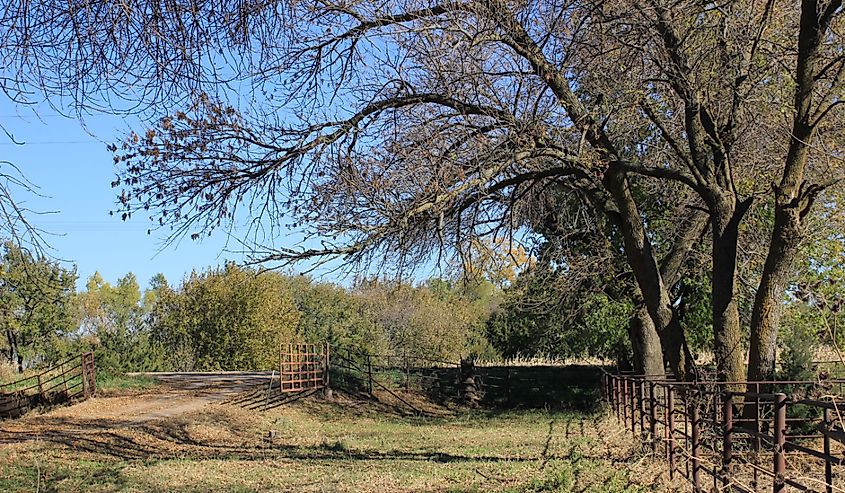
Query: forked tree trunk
point(641, 258)
point(793, 197)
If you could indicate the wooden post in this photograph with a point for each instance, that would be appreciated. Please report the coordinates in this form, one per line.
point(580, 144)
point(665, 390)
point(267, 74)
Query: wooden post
point(727, 438)
point(633, 405)
point(327, 383)
point(605, 394)
point(617, 393)
point(828, 471)
point(780, 442)
point(652, 417)
point(696, 439)
point(624, 382)
point(93, 375)
point(508, 386)
point(642, 407)
point(670, 429)
point(84, 379)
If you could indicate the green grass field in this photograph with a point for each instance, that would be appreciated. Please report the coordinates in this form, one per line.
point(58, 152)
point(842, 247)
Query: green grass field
point(349, 445)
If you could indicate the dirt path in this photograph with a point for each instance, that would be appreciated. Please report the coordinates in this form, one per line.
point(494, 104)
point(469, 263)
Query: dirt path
point(179, 393)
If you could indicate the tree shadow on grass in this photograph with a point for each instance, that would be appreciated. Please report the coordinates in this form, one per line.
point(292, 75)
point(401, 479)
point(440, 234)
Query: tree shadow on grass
point(171, 439)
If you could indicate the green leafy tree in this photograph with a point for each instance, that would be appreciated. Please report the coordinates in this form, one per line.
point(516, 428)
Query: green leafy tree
point(36, 310)
point(432, 320)
point(114, 322)
point(332, 314)
point(226, 318)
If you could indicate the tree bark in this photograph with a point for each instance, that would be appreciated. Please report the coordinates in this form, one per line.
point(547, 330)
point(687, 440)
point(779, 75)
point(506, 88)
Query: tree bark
point(766, 313)
point(648, 352)
point(10, 338)
point(641, 257)
point(793, 199)
point(726, 215)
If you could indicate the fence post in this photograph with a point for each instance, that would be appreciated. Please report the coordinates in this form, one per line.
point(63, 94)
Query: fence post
point(780, 442)
point(508, 387)
point(93, 375)
point(828, 471)
point(727, 438)
point(670, 429)
point(633, 405)
point(603, 383)
point(642, 407)
point(652, 415)
point(624, 382)
point(616, 393)
point(64, 377)
point(326, 369)
point(694, 447)
point(85, 390)
point(40, 386)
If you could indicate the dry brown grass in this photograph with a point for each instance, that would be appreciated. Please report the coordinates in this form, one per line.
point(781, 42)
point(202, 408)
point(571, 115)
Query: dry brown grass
point(349, 445)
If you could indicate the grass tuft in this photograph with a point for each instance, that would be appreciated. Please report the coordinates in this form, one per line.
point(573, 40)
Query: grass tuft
point(107, 382)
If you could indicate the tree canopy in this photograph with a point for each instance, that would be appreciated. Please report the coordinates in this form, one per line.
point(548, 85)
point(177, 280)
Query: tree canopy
point(403, 133)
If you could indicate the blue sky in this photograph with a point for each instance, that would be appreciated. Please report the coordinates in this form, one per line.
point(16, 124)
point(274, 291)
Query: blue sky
point(73, 170)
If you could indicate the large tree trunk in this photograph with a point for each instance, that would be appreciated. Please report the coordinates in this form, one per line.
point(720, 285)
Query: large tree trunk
point(765, 315)
point(793, 199)
point(726, 215)
point(641, 258)
point(648, 353)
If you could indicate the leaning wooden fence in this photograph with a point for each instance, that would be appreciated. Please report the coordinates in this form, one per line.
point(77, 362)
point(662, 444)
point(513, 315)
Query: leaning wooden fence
point(735, 436)
point(72, 379)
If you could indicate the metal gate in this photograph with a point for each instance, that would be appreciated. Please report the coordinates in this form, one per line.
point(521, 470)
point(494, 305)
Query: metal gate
point(303, 367)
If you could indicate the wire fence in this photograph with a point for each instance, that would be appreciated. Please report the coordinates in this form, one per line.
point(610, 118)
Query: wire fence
point(737, 436)
point(504, 386)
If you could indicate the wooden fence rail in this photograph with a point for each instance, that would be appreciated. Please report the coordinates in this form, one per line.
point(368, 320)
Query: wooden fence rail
point(72, 379)
point(722, 439)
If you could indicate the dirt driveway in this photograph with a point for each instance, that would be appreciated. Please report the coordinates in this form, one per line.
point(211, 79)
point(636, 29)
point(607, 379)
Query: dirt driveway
point(179, 393)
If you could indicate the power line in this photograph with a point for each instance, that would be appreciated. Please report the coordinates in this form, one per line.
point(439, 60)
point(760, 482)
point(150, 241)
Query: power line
point(51, 142)
point(35, 117)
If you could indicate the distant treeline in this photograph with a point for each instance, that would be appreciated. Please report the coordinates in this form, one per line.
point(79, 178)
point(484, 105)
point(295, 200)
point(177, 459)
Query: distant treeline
point(233, 317)
point(227, 317)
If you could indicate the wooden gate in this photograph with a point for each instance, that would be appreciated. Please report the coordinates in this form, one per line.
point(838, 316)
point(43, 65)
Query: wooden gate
point(70, 380)
point(303, 367)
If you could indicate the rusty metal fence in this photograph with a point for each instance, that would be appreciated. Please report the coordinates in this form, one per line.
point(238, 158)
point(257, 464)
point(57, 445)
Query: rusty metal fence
point(738, 436)
point(303, 367)
point(72, 379)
